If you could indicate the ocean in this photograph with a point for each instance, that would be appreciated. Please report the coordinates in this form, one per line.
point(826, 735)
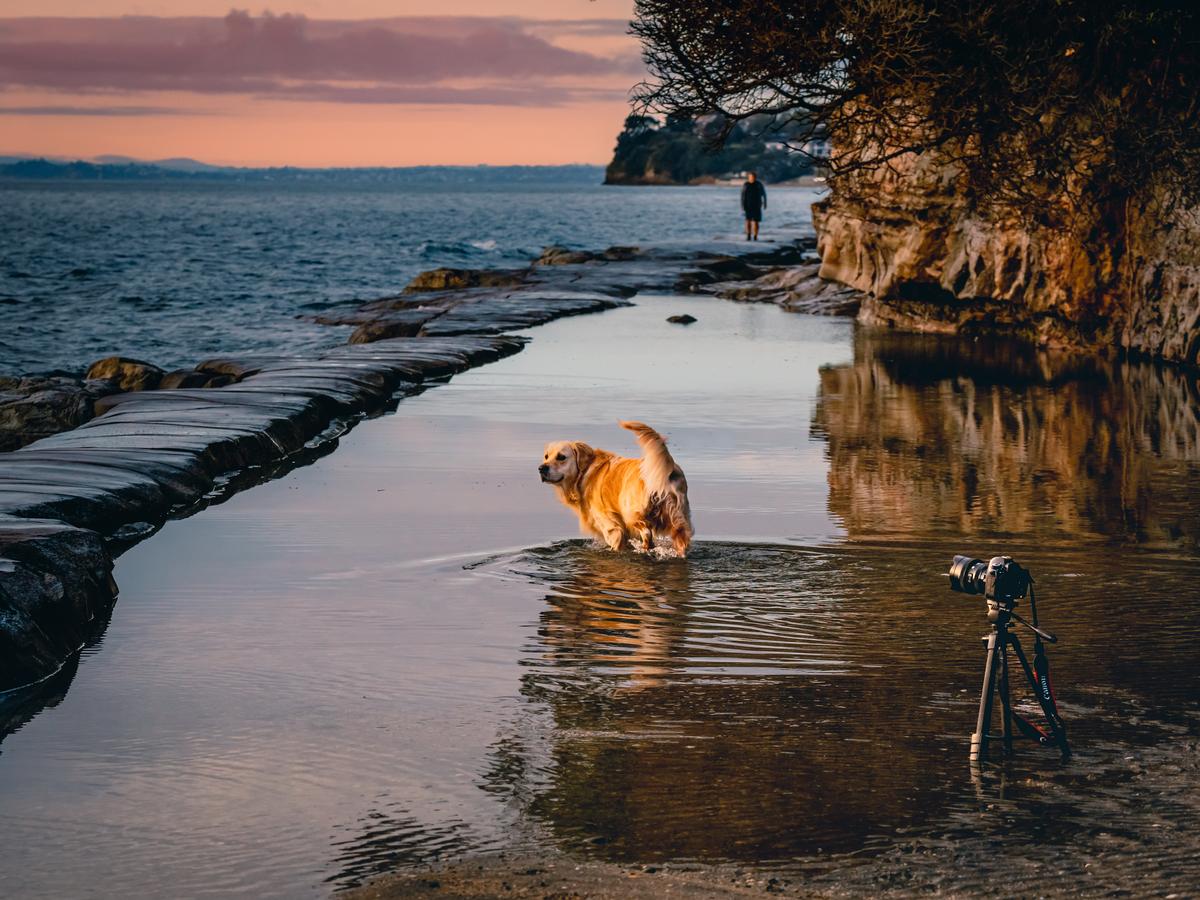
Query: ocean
point(172, 273)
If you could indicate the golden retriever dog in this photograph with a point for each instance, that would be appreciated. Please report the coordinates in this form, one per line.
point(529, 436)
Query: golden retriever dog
point(617, 498)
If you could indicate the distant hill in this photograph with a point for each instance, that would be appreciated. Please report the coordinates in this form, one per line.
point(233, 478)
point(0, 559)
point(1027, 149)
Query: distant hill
point(176, 164)
point(681, 151)
point(120, 168)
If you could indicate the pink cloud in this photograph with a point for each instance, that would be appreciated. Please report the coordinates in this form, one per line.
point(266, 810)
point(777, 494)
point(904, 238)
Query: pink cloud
point(290, 57)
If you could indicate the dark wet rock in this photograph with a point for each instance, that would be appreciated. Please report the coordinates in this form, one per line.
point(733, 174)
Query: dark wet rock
point(516, 310)
point(623, 278)
point(427, 300)
point(181, 476)
point(304, 408)
point(683, 319)
point(183, 378)
point(237, 368)
point(36, 406)
point(798, 289)
point(563, 282)
point(54, 581)
point(392, 324)
point(456, 279)
point(127, 374)
point(730, 268)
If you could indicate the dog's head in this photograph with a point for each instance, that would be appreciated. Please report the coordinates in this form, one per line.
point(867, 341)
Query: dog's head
point(564, 463)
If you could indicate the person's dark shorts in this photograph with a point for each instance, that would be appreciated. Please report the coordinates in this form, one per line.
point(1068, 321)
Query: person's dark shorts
point(753, 215)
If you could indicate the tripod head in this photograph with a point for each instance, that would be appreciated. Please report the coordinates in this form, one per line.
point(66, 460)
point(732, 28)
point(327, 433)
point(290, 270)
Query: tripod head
point(1003, 582)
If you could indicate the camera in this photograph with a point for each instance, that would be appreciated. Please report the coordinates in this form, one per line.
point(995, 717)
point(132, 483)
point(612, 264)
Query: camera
point(1000, 579)
point(1003, 582)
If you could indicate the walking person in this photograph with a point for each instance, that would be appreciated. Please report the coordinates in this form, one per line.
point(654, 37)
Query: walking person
point(754, 201)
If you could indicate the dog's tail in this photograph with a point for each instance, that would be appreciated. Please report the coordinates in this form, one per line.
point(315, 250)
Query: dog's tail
point(666, 486)
point(658, 468)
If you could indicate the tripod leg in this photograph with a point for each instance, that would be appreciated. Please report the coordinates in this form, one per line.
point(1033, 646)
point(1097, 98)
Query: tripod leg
point(979, 740)
point(1046, 700)
point(1005, 702)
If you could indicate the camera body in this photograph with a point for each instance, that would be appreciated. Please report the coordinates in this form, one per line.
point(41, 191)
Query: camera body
point(1000, 580)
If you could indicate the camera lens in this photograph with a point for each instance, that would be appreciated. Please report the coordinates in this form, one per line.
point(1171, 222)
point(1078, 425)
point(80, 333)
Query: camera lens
point(967, 575)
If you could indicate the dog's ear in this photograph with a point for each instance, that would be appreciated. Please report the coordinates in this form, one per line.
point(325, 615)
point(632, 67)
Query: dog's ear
point(585, 455)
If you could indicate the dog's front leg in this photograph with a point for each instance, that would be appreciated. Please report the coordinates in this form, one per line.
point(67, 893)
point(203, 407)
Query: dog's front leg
point(614, 536)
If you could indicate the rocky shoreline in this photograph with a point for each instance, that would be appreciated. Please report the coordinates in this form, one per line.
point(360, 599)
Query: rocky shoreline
point(98, 462)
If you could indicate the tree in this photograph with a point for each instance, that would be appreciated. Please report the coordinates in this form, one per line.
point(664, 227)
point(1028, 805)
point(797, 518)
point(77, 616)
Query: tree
point(1088, 100)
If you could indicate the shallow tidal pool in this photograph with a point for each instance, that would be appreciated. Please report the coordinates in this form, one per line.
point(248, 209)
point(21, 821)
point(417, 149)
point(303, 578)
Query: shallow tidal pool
point(402, 652)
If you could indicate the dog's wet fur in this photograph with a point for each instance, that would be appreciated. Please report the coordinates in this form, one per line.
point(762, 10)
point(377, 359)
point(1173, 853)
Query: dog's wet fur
point(619, 499)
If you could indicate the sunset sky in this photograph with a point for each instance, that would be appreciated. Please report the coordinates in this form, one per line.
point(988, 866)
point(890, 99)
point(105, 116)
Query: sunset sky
point(317, 82)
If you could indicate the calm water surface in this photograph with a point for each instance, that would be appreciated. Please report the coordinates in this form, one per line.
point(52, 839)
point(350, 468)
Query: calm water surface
point(401, 653)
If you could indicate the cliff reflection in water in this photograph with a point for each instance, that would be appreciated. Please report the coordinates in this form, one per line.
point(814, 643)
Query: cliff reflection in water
point(946, 436)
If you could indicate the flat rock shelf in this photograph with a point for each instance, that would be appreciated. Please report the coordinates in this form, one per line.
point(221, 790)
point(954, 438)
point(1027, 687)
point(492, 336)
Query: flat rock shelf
point(68, 500)
point(128, 461)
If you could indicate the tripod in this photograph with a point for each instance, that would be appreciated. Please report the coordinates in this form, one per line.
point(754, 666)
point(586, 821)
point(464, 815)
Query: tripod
point(995, 680)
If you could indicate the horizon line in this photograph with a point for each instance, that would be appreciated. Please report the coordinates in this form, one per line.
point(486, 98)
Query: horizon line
point(122, 159)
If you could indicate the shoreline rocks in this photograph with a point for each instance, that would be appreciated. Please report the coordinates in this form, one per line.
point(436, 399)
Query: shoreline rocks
point(68, 499)
point(34, 406)
point(127, 374)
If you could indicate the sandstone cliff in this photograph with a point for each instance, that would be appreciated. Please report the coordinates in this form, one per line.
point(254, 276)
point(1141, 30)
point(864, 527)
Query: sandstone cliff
point(930, 261)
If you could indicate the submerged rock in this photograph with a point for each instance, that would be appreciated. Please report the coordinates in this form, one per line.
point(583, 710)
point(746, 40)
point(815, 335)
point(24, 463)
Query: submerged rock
point(683, 319)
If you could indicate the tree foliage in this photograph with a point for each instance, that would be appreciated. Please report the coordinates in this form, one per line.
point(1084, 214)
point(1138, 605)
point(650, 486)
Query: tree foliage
point(682, 151)
point(1047, 98)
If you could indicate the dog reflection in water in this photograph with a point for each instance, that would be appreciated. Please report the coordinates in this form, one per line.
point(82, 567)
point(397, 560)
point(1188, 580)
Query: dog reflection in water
point(623, 614)
point(618, 498)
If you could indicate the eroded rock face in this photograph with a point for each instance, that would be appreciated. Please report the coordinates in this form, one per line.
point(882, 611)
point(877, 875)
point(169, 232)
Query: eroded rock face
point(929, 261)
